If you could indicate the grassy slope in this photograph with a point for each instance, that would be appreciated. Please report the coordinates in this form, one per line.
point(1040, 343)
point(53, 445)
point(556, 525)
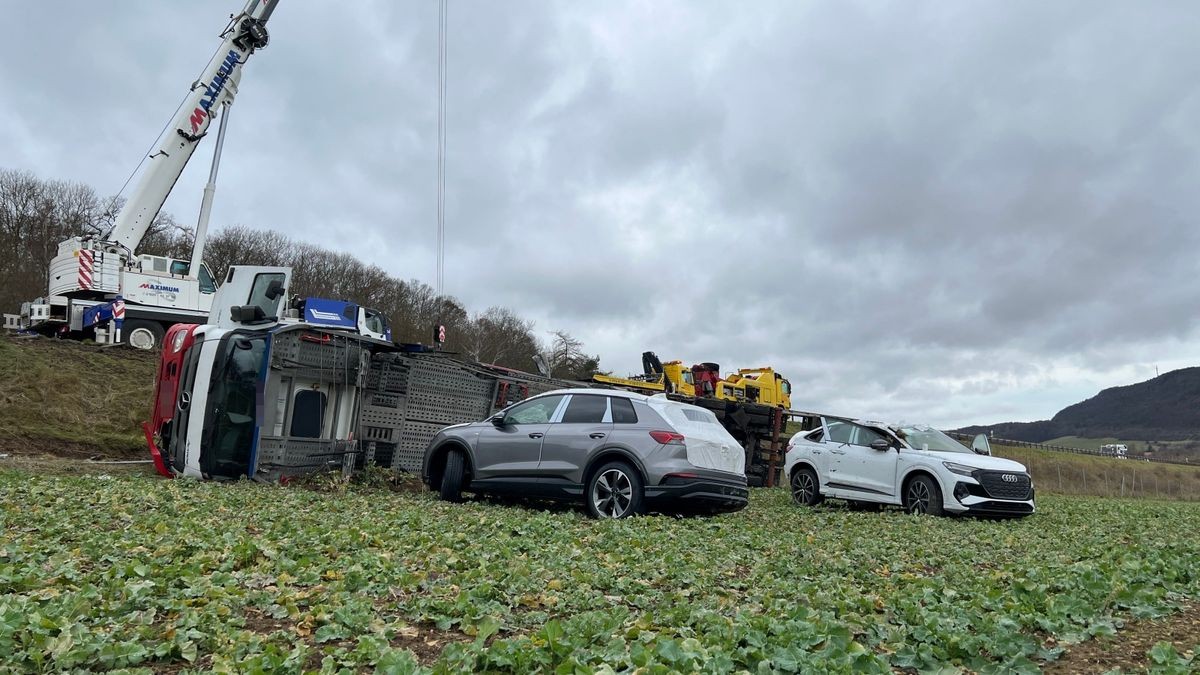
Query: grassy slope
point(1093, 443)
point(143, 572)
point(83, 395)
point(1066, 473)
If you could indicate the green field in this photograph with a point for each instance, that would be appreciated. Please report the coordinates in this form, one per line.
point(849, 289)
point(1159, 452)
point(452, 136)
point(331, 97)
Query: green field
point(141, 573)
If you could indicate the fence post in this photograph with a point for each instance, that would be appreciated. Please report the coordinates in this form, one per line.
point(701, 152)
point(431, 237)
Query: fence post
point(1059, 466)
point(1122, 485)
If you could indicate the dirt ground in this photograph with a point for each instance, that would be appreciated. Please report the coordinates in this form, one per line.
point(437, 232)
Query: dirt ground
point(1127, 650)
point(41, 462)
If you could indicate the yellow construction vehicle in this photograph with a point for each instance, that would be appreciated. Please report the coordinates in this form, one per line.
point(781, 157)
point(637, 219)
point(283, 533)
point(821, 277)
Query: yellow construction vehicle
point(748, 385)
point(658, 377)
point(756, 385)
point(751, 403)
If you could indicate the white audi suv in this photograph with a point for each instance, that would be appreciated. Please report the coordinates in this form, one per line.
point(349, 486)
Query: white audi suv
point(916, 467)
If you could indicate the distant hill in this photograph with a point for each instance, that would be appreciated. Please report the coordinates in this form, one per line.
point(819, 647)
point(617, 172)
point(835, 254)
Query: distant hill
point(1166, 408)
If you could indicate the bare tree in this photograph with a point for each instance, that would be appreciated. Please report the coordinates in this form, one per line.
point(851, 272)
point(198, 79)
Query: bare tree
point(566, 358)
point(499, 336)
point(36, 215)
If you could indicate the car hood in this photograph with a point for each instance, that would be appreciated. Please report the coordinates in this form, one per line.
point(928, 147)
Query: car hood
point(985, 462)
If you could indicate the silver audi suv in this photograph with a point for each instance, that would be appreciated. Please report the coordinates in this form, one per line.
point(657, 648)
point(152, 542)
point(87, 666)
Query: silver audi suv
point(621, 452)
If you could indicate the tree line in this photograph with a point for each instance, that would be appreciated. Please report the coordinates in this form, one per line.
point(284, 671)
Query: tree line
point(36, 214)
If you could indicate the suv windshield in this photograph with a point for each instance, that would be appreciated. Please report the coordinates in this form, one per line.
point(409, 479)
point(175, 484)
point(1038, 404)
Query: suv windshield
point(928, 438)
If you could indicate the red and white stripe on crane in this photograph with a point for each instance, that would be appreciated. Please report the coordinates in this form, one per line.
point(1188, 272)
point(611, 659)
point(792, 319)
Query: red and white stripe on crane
point(87, 263)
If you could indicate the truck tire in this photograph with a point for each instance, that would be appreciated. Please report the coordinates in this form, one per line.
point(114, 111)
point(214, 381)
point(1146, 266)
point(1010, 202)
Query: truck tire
point(452, 477)
point(141, 334)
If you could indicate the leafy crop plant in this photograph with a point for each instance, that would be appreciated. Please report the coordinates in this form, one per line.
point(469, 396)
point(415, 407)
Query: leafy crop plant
point(150, 575)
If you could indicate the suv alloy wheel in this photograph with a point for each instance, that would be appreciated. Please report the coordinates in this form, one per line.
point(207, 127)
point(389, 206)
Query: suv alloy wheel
point(923, 496)
point(806, 491)
point(614, 491)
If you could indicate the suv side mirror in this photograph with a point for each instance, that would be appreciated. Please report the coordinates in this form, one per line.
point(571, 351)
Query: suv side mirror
point(497, 420)
point(881, 445)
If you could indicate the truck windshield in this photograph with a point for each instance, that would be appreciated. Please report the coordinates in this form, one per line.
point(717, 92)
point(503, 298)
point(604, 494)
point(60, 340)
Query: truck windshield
point(231, 421)
point(375, 321)
point(928, 438)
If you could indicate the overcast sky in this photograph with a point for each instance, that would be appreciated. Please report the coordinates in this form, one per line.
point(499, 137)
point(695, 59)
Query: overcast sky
point(951, 212)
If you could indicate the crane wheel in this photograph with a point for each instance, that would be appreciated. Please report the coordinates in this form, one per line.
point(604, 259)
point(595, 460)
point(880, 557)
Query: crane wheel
point(140, 334)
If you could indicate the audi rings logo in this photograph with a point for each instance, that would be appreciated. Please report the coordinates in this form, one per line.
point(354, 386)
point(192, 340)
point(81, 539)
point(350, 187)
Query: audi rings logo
point(1009, 478)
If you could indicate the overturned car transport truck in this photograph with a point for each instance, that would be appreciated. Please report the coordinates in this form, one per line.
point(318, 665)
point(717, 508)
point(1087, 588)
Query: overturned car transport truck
point(257, 393)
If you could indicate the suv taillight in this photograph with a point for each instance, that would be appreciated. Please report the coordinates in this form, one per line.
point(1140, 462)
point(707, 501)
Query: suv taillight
point(667, 437)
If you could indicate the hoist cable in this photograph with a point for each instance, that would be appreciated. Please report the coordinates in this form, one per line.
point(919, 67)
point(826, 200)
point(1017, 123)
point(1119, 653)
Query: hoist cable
point(443, 15)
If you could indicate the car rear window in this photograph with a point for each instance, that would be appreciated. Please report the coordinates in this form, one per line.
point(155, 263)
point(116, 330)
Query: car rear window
point(623, 412)
point(585, 409)
point(702, 416)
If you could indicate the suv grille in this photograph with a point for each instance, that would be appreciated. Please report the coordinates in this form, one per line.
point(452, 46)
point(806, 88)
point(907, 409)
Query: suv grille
point(996, 486)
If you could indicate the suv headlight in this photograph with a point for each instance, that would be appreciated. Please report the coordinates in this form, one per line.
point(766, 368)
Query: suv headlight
point(960, 469)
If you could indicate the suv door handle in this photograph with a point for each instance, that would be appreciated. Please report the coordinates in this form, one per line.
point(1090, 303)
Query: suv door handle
point(838, 452)
point(597, 435)
point(536, 434)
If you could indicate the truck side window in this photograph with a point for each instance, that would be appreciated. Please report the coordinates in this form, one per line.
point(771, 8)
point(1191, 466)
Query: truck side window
point(207, 285)
point(309, 414)
point(622, 411)
point(584, 409)
point(258, 293)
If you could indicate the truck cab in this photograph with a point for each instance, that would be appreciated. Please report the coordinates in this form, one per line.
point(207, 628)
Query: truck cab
point(251, 394)
point(756, 385)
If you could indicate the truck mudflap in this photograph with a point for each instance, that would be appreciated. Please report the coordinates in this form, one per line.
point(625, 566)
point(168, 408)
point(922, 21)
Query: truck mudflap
point(160, 464)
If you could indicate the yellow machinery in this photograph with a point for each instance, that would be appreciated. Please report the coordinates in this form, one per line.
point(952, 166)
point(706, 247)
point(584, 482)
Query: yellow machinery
point(756, 385)
point(751, 404)
point(672, 378)
point(763, 386)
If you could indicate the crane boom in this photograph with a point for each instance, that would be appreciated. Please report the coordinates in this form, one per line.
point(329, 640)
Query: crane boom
point(217, 86)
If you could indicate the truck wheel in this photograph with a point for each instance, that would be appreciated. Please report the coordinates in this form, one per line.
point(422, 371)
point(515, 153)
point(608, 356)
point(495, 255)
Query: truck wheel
point(614, 491)
point(452, 477)
point(141, 334)
point(923, 496)
point(806, 489)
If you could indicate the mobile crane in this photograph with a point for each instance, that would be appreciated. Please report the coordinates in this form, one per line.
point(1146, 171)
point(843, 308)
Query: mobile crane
point(99, 279)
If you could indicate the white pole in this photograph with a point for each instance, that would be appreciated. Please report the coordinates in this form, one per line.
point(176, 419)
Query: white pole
point(209, 190)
